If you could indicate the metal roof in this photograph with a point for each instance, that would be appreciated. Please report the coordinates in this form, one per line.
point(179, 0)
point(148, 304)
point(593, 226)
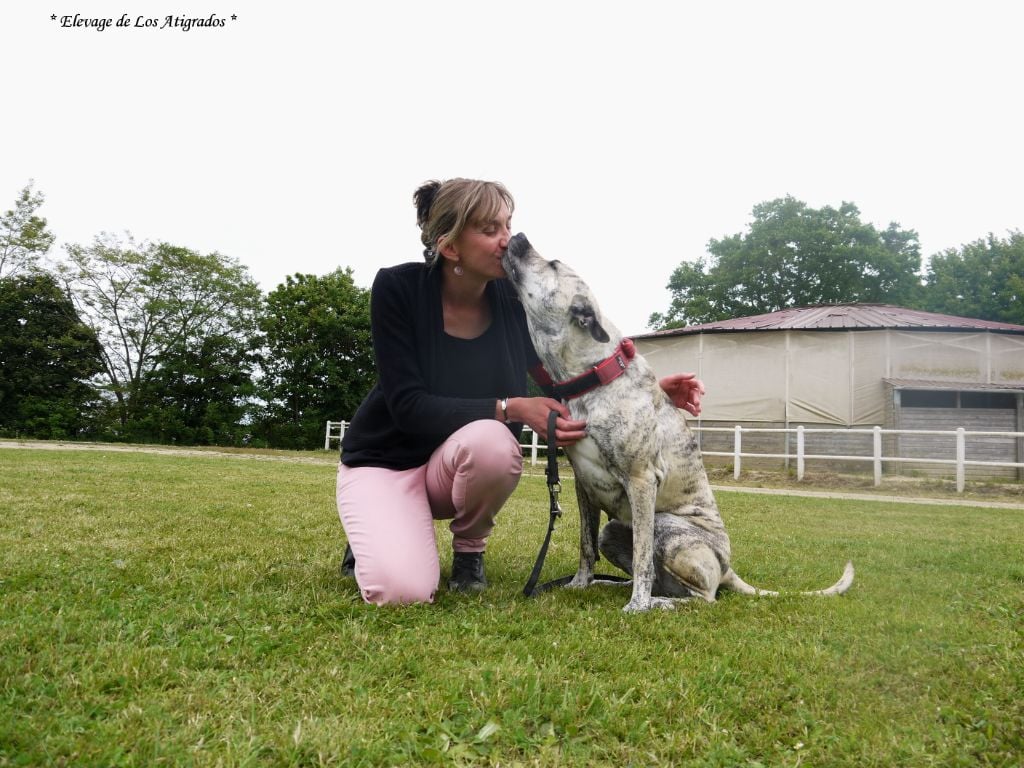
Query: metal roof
point(840, 317)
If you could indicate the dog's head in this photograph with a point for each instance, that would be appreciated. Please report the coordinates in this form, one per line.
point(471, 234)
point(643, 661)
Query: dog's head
point(565, 321)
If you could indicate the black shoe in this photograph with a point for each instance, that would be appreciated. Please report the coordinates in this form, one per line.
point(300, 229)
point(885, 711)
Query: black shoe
point(348, 563)
point(468, 572)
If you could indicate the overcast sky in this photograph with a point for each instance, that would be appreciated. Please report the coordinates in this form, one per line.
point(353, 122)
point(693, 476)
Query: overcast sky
point(293, 136)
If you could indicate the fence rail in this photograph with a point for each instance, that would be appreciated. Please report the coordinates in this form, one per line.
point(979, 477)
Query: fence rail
point(958, 460)
point(877, 459)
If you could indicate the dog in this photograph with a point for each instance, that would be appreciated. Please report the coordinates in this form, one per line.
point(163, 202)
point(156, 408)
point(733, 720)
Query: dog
point(639, 462)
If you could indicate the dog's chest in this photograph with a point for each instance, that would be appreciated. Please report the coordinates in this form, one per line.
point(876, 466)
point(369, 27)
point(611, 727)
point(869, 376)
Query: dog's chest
point(602, 486)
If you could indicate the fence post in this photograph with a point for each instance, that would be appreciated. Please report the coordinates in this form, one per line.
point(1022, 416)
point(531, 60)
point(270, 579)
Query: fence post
point(961, 455)
point(327, 432)
point(800, 452)
point(737, 448)
point(533, 448)
point(877, 449)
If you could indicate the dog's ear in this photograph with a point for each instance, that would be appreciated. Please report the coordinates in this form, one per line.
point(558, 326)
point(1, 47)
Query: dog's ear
point(583, 315)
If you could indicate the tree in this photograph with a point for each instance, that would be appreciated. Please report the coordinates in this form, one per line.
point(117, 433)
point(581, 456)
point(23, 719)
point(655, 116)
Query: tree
point(792, 256)
point(983, 279)
point(319, 357)
point(47, 356)
point(200, 393)
point(151, 307)
point(24, 238)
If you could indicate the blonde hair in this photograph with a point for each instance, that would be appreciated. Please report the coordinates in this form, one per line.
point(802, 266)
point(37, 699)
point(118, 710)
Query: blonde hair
point(445, 209)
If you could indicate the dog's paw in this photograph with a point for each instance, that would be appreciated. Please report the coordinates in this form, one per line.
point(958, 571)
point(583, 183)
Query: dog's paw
point(639, 606)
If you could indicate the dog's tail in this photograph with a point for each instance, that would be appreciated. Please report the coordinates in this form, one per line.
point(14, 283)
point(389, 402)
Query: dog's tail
point(733, 582)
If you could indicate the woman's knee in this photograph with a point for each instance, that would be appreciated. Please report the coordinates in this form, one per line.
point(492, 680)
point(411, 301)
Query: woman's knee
point(492, 449)
point(399, 588)
point(397, 569)
point(390, 577)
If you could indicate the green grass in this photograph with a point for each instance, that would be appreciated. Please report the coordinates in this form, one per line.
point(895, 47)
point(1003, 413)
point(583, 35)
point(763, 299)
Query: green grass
point(166, 610)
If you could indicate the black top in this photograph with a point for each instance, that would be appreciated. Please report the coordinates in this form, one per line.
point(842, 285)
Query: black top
point(473, 366)
point(430, 384)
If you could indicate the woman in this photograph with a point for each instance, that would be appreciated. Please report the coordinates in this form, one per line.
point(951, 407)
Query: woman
point(438, 435)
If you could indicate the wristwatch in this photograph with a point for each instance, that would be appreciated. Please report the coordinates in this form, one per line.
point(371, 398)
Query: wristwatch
point(504, 409)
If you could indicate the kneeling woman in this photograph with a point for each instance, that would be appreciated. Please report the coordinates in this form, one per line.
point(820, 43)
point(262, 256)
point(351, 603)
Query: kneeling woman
point(438, 435)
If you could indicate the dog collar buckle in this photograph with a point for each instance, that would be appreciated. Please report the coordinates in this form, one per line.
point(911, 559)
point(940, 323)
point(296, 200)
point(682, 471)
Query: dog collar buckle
point(604, 372)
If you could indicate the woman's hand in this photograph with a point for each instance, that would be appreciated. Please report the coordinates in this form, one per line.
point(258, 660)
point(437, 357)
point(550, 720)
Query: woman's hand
point(684, 390)
point(533, 412)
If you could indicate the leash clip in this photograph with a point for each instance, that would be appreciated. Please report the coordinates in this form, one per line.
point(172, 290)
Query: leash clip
point(556, 508)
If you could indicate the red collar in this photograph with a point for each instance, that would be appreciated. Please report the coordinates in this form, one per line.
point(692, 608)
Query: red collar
point(605, 371)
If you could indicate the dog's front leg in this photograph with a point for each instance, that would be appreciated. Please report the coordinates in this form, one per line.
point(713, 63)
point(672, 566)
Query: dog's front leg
point(642, 492)
point(590, 521)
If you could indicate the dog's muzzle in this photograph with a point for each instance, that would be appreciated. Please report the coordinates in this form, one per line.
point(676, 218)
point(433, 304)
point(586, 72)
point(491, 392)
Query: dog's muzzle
point(515, 253)
point(518, 246)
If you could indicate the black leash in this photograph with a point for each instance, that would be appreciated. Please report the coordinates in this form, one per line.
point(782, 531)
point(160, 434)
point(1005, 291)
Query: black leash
point(554, 488)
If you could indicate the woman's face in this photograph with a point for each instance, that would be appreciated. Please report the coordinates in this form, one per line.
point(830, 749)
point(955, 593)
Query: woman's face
point(480, 246)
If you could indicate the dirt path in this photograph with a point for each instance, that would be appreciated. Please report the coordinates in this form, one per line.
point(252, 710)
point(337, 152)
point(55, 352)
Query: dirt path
point(57, 445)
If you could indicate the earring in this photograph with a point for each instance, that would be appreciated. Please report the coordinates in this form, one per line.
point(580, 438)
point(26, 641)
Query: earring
point(457, 269)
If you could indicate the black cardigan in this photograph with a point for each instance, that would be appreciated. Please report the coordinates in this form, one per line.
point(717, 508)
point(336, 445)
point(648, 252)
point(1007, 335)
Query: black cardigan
point(402, 420)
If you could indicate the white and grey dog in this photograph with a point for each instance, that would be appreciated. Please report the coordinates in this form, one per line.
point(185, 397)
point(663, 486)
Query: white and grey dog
point(640, 462)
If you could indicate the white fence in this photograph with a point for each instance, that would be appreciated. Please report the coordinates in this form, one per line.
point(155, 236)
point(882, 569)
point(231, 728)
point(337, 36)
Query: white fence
point(534, 445)
point(958, 459)
point(335, 431)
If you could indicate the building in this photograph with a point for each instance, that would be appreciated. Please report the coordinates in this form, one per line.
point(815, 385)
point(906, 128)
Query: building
point(858, 365)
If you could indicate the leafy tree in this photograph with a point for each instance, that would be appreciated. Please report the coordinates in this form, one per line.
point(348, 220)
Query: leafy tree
point(47, 356)
point(319, 358)
point(794, 255)
point(154, 309)
point(983, 279)
point(23, 235)
point(200, 393)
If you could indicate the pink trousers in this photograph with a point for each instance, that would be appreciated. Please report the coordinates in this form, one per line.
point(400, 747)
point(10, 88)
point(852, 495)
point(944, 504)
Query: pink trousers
point(388, 515)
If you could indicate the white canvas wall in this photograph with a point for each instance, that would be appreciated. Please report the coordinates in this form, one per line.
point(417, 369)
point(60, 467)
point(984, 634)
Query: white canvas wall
point(828, 377)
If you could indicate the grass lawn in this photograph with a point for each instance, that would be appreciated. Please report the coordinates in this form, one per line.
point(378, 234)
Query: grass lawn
point(187, 610)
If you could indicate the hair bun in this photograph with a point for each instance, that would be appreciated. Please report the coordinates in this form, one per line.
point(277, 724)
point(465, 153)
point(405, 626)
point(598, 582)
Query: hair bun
point(424, 198)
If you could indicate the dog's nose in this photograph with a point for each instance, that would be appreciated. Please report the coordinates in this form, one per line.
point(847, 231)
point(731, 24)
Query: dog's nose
point(518, 245)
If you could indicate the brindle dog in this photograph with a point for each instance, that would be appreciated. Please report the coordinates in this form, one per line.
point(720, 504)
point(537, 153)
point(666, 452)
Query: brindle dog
point(639, 463)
